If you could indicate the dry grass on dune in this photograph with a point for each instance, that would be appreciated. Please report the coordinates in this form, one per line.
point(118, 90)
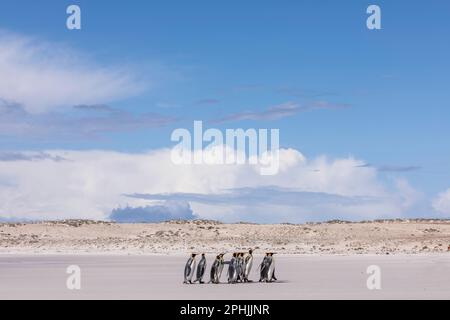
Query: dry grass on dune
point(334, 237)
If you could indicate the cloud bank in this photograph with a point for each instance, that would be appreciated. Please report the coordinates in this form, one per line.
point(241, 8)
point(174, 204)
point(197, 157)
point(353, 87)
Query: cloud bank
point(97, 184)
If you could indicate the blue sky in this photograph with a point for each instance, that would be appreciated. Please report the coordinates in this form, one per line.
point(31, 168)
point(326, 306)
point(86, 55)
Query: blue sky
point(378, 96)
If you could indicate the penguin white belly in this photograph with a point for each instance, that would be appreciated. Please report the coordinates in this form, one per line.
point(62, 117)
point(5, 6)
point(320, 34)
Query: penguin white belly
point(248, 267)
point(235, 275)
point(191, 274)
point(271, 271)
point(232, 271)
point(219, 272)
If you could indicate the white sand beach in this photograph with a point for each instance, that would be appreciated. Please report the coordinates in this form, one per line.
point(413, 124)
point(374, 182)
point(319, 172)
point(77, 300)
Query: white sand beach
point(161, 277)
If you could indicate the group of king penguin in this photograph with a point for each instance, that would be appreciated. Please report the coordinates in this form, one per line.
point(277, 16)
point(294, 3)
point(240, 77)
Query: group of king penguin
point(239, 268)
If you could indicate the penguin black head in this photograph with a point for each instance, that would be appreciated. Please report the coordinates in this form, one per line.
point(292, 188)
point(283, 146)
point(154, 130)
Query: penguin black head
point(193, 255)
point(234, 255)
point(203, 255)
point(250, 251)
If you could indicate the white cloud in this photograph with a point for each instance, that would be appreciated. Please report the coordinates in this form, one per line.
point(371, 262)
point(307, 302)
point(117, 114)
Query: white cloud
point(90, 184)
point(44, 76)
point(408, 196)
point(442, 203)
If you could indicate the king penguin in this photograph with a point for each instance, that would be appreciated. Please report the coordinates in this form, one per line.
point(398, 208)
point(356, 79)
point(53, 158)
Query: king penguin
point(271, 273)
point(238, 267)
point(232, 269)
point(264, 268)
point(221, 266)
point(248, 265)
point(201, 270)
point(241, 267)
point(215, 271)
point(189, 269)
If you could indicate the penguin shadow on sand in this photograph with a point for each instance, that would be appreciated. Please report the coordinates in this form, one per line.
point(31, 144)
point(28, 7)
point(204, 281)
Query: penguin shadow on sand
point(239, 269)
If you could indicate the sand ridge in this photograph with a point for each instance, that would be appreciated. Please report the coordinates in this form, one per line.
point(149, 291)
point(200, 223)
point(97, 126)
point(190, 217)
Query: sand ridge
point(180, 237)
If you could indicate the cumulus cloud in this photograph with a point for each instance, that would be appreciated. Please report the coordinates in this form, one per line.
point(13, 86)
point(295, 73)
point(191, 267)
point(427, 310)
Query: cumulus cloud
point(273, 204)
point(442, 203)
point(95, 183)
point(43, 76)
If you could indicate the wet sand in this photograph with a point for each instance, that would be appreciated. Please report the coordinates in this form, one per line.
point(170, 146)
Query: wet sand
point(161, 277)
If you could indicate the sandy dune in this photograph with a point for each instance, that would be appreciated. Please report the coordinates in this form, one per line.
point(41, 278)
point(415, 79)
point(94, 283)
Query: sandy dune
point(381, 238)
